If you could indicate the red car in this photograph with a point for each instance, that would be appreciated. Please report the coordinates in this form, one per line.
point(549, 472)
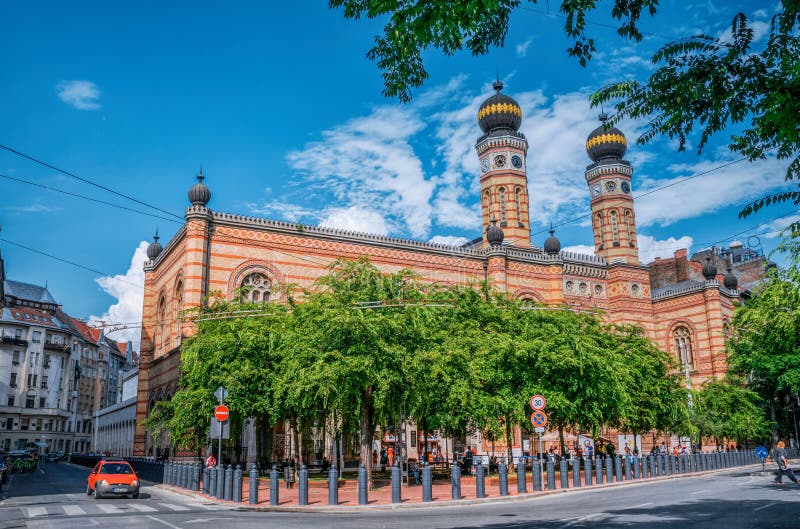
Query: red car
point(113, 478)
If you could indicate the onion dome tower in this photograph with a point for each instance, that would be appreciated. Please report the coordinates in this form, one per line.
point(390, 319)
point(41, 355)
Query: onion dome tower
point(709, 269)
point(609, 179)
point(552, 245)
point(199, 194)
point(731, 282)
point(494, 234)
point(504, 183)
point(155, 248)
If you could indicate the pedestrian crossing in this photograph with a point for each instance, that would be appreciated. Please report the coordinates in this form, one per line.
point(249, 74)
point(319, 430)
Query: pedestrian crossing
point(101, 508)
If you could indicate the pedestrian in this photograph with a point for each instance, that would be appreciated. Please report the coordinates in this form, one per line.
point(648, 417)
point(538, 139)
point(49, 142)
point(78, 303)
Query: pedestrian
point(611, 450)
point(390, 455)
point(468, 456)
point(779, 456)
point(211, 461)
point(415, 473)
point(289, 474)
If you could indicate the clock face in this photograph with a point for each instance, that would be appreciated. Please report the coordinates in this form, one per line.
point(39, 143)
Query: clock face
point(499, 161)
point(484, 165)
point(516, 161)
point(626, 187)
point(611, 186)
point(596, 190)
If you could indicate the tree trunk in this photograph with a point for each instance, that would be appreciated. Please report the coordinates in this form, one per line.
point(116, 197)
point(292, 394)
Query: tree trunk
point(367, 428)
point(509, 442)
point(773, 415)
point(561, 438)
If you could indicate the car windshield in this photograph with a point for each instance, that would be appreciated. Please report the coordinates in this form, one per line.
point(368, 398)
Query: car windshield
point(116, 468)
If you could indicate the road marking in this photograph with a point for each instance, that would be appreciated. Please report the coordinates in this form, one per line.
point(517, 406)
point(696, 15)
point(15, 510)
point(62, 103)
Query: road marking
point(36, 511)
point(700, 491)
point(108, 508)
point(162, 521)
point(73, 510)
point(174, 507)
point(640, 505)
point(765, 506)
point(582, 518)
point(141, 507)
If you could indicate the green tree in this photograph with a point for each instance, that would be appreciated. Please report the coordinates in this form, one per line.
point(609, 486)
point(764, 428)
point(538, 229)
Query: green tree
point(724, 409)
point(764, 346)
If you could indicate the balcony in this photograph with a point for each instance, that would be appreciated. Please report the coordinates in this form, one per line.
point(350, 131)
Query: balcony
point(14, 340)
point(46, 365)
point(56, 346)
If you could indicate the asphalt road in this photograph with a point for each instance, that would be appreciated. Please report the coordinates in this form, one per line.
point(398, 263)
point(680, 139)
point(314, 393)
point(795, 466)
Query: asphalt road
point(725, 500)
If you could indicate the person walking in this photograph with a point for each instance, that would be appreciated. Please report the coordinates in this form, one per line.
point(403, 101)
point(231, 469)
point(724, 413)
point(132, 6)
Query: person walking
point(290, 474)
point(211, 461)
point(779, 456)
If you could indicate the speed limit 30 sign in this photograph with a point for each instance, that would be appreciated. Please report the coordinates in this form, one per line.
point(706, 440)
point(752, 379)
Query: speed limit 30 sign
point(538, 402)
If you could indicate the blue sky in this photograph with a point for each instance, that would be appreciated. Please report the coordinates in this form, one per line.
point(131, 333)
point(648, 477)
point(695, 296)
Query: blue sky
point(285, 113)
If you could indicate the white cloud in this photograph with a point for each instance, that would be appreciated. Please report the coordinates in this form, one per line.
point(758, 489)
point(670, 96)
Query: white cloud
point(128, 289)
point(579, 248)
point(522, 48)
point(449, 240)
point(776, 227)
point(650, 247)
point(369, 160)
point(36, 207)
point(734, 184)
point(82, 95)
point(355, 218)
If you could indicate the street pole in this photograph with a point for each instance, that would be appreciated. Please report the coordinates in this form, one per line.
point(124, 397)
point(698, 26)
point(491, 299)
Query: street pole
point(541, 457)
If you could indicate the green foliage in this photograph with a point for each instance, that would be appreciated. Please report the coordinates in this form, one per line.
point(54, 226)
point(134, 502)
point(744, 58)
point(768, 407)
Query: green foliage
point(727, 410)
point(478, 26)
point(708, 84)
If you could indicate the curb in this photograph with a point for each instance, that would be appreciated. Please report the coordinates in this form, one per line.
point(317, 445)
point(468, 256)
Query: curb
point(445, 503)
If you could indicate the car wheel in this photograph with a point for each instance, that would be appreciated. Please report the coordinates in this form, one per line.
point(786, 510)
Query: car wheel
point(88, 491)
point(135, 496)
point(97, 495)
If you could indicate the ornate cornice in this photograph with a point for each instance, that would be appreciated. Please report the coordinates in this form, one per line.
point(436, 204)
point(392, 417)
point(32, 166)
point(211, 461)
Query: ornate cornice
point(599, 169)
point(507, 140)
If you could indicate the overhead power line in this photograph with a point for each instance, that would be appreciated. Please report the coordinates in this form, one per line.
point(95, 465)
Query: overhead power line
point(86, 181)
point(84, 197)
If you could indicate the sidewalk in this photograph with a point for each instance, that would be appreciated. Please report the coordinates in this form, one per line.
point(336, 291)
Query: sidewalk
point(380, 498)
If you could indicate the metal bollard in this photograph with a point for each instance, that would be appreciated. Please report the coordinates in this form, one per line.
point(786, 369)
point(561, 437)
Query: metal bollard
point(673, 464)
point(212, 482)
point(167, 473)
point(551, 474)
point(302, 491)
point(661, 463)
point(397, 483)
point(194, 483)
point(237, 484)
point(455, 482)
point(274, 486)
point(173, 479)
point(179, 474)
point(576, 472)
point(427, 483)
point(682, 465)
point(610, 469)
point(333, 486)
point(253, 484)
point(598, 470)
point(480, 484)
point(186, 482)
point(653, 471)
point(228, 490)
point(522, 483)
point(562, 467)
point(502, 472)
point(587, 471)
point(637, 467)
point(537, 475)
point(220, 482)
point(363, 493)
point(627, 469)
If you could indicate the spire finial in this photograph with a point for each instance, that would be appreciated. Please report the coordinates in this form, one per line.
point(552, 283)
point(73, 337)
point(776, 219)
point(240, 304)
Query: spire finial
point(494, 220)
point(552, 231)
point(156, 237)
point(200, 176)
point(498, 84)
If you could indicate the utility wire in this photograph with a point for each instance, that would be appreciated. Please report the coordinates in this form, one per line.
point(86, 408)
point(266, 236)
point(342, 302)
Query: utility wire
point(592, 22)
point(104, 188)
point(84, 197)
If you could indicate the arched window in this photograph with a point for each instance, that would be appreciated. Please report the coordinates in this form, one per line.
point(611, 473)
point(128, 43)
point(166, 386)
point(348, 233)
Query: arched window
point(683, 346)
point(178, 308)
point(518, 199)
point(629, 225)
point(162, 322)
point(502, 198)
point(614, 226)
point(487, 205)
point(598, 230)
point(256, 288)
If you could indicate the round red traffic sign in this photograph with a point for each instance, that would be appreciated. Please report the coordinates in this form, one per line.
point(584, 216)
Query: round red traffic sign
point(538, 402)
point(539, 419)
point(221, 413)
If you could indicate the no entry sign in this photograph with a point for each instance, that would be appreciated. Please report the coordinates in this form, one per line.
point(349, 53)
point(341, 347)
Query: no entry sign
point(221, 413)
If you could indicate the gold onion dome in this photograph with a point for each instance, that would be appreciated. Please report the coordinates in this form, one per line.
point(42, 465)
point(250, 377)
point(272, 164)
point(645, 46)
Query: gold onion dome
point(499, 112)
point(606, 142)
